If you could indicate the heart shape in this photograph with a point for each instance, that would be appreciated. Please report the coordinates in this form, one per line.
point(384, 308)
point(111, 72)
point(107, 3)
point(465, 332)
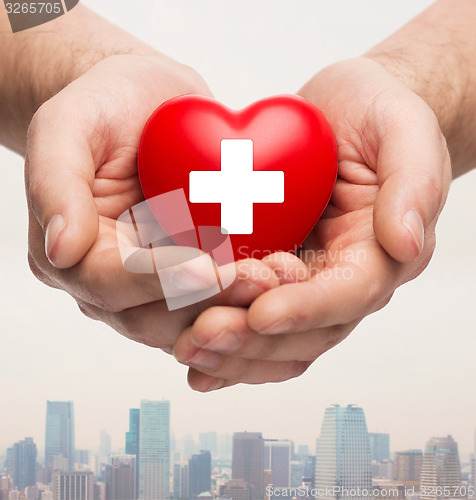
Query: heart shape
point(191, 138)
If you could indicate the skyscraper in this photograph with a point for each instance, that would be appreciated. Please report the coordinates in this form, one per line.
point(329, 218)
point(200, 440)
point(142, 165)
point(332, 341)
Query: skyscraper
point(104, 446)
point(343, 461)
point(132, 436)
point(154, 445)
point(23, 463)
point(208, 441)
point(248, 461)
point(177, 481)
point(407, 466)
point(440, 468)
point(132, 440)
point(277, 458)
point(225, 445)
point(379, 446)
point(121, 478)
point(59, 436)
point(199, 473)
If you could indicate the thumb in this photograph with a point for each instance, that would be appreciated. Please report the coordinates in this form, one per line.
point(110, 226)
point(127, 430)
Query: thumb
point(414, 174)
point(59, 174)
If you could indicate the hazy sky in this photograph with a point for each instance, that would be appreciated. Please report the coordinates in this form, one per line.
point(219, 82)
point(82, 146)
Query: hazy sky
point(411, 366)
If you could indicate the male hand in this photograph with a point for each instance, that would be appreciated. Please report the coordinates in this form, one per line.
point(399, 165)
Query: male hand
point(377, 233)
point(81, 174)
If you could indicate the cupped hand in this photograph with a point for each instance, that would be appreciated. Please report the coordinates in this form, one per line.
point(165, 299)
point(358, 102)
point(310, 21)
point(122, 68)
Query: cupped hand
point(81, 175)
point(377, 233)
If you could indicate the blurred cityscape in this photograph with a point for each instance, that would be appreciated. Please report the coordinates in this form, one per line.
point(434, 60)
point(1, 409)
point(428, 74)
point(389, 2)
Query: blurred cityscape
point(348, 463)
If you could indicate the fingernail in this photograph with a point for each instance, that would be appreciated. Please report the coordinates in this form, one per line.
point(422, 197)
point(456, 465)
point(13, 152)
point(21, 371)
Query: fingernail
point(55, 226)
point(244, 291)
point(414, 223)
point(226, 342)
point(280, 326)
point(204, 359)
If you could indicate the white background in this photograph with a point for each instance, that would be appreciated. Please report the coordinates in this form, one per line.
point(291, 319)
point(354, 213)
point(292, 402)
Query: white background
point(410, 366)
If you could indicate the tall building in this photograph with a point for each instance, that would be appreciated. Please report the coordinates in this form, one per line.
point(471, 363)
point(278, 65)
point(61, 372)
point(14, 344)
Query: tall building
point(104, 446)
point(440, 468)
point(132, 435)
point(154, 446)
point(188, 446)
point(121, 478)
point(59, 435)
point(73, 485)
point(407, 466)
point(343, 461)
point(23, 463)
point(177, 481)
point(248, 461)
point(309, 472)
point(208, 441)
point(379, 446)
point(277, 458)
point(303, 449)
point(199, 473)
point(296, 476)
point(9, 463)
point(132, 439)
point(225, 445)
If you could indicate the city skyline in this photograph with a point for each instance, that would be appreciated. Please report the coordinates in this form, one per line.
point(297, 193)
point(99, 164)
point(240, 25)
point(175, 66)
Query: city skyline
point(397, 364)
point(127, 437)
point(346, 460)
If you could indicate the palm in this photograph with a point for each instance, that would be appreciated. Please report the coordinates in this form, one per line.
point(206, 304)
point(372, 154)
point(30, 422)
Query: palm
point(126, 101)
point(346, 232)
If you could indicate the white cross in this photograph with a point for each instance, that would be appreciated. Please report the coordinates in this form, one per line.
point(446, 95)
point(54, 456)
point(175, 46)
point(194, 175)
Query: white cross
point(237, 186)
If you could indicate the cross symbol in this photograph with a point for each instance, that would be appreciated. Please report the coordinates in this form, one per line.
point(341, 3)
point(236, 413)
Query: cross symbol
point(236, 186)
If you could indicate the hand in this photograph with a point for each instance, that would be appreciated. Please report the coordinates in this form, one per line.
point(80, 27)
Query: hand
point(377, 233)
point(81, 175)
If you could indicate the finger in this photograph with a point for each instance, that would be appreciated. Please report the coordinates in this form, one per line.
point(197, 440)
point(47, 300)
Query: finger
point(287, 267)
point(154, 325)
point(413, 170)
point(150, 324)
point(339, 294)
point(225, 330)
point(247, 372)
point(59, 172)
point(101, 280)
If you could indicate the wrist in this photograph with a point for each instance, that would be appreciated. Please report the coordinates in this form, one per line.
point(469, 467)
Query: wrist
point(39, 64)
point(432, 55)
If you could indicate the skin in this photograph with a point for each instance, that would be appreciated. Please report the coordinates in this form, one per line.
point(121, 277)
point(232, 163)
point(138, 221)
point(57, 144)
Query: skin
point(281, 313)
point(396, 114)
point(393, 161)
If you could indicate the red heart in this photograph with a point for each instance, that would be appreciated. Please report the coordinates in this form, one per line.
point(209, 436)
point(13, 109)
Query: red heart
point(288, 135)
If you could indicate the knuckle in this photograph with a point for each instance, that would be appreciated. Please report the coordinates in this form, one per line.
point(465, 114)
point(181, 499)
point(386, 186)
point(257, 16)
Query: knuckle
point(299, 367)
point(87, 311)
point(432, 186)
point(37, 190)
point(242, 371)
point(266, 347)
point(129, 325)
point(39, 274)
point(96, 297)
point(35, 269)
point(335, 337)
